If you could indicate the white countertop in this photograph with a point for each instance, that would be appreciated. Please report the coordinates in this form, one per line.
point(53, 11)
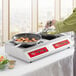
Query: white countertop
point(22, 67)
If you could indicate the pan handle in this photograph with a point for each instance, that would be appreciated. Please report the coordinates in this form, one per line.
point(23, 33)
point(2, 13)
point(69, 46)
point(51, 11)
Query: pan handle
point(13, 42)
point(40, 42)
point(18, 45)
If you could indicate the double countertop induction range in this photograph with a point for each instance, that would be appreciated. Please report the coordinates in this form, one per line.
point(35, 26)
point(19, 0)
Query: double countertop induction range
point(46, 47)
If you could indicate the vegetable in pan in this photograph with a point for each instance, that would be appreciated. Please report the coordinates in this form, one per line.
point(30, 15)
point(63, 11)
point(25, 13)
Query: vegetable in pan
point(22, 39)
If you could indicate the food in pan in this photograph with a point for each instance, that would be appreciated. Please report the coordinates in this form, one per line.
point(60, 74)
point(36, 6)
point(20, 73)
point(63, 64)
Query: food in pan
point(22, 39)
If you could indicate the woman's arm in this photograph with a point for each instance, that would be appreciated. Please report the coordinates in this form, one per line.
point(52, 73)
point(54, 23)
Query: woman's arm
point(68, 24)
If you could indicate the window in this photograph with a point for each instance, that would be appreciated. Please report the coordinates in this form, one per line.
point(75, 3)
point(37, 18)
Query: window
point(0, 22)
point(66, 8)
point(20, 16)
point(21, 11)
point(45, 12)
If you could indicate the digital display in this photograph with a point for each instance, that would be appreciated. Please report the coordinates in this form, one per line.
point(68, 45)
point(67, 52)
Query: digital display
point(38, 52)
point(60, 44)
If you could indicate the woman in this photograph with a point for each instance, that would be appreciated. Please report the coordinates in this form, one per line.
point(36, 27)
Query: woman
point(67, 25)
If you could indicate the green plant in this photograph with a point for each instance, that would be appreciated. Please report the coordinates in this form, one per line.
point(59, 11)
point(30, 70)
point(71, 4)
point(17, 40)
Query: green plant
point(3, 60)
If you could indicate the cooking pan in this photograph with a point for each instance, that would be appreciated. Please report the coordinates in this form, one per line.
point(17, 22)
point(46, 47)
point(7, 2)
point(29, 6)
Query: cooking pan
point(45, 34)
point(25, 35)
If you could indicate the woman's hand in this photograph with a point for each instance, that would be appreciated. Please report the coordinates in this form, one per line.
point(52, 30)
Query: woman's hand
point(53, 22)
point(50, 23)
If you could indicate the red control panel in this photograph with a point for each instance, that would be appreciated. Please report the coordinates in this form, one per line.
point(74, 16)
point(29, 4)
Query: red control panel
point(38, 52)
point(62, 43)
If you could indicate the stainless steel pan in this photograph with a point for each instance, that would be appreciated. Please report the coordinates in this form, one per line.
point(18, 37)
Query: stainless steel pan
point(48, 36)
point(29, 35)
point(45, 35)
